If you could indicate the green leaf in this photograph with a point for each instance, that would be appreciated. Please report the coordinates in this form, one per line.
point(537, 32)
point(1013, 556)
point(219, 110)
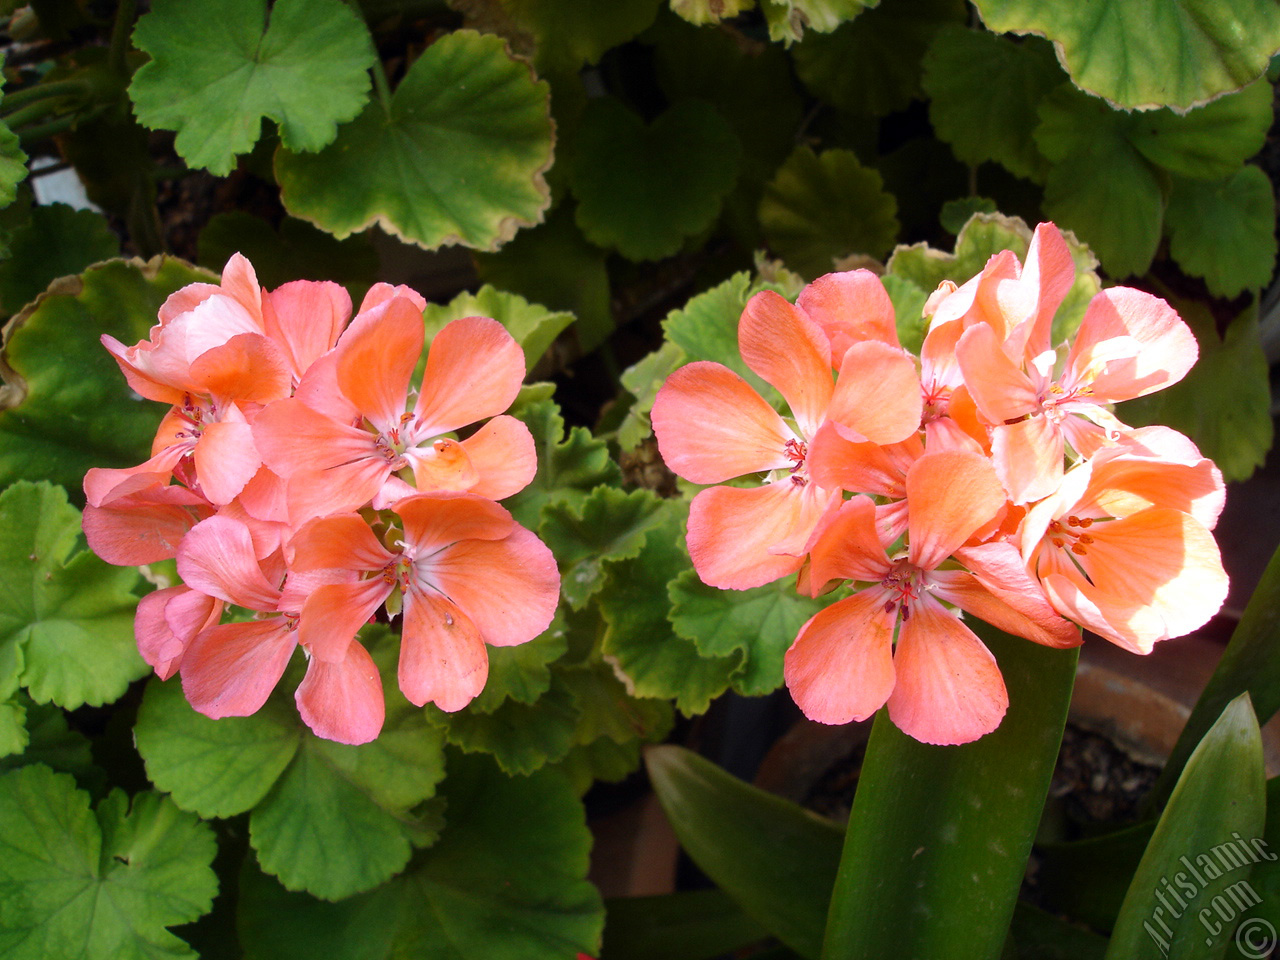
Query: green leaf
point(706, 328)
point(50, 741)
point(1223, 403)
point(1224, 230)
point(294, 251)
point(100, 886)
point(56, 242)
point(1219, 799)
point(983, 94)
point(61, 373)
point(788, 19)
point(533, 326)
point(327, 818)
point(750, 85)
point(608, 526)
point(1250, 664)
point(66, 618)
point(981, 238)
point(908, 309)
point(699, 12)
point(216, 768)
point(819, 208)
point(775, 859)
point(643, 379)
point(1176, 53)
point(522, 673)
point(1210, 142)
point(639, 639)
point(643, 189)
point(569, 33)
point(553, 264)
point(569, 467)
point(1041, 935)
point(505, 881)
point(760, 623)
point(956, 213)
point(941, 834)
point(217, 71)
point(1100, 184)
point(13, 728)
point(13, 166)
point(1087, 879)
point(457, 156)
point(689, 925)
point(521, 737)
point(871, 65)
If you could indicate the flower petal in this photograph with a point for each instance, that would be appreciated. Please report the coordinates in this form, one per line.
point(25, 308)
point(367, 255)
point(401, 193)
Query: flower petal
point(226, 459)
point(435, 520)
point(781, 344)
point(376, 357)
point(951, 495)
point(712, 426)
point(508, 588)
point(305, 318)
point(334, 613)
point(1163, 352)
point(166, 623)
point(474, 371)
point(732, 531)
point(504, 457)
point(1028, 457)
point(850, 307)
point(343, 701)
point(442, 658)
point(878, 393)
point(949, 687)
point(840, 667)
point(217, 557)
point(1001, 390)
point(230, 670)
point(848, 547)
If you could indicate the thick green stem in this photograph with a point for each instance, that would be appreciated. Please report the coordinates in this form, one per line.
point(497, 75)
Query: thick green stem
point(42, 92)
point(939, 836)
point(121, 30)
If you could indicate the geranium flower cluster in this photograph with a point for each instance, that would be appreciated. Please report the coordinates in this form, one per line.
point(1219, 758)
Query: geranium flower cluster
point(988, 476)
point(300, 476)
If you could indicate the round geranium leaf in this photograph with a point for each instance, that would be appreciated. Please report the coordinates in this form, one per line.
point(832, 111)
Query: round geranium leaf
point(788, 19)
point(820, 207)
point(1224, 230)
point(457, 156)
point(872, 64)
point(57, 241)
point(643, 189)
point(569, 33)
point(983, 94)
point(99, 884)
point(1176, 53)
point(219, 67)
point(1100, 185)
point(505, 881)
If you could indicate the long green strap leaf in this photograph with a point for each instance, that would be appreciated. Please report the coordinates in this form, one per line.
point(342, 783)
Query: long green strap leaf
point(775, 859)
point(691, 925)
point(1251, 662)
point(1193, 881)
point(939, 836)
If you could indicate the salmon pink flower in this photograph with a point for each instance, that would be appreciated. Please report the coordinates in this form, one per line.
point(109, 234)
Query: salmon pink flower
point(1124, 546)
point(1129, 344)
point(350, 430)
point(464, 573)
point(711, 426)
point(941, 683)
point(229, 670)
